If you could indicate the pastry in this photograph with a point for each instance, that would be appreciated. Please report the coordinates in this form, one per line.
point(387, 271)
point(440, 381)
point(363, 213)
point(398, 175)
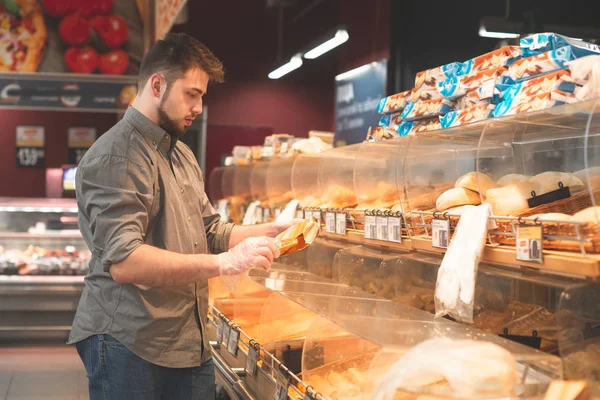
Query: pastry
point(511, 199)
point(549, 181)
point(552, 217)
point(457, 197)
point(590, 214)
point(512, 179)
point(594, 177)
point(476, 181)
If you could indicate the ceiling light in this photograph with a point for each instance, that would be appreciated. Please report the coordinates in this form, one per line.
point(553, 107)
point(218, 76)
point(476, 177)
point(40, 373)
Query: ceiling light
point(294, 63)
point(341, 36)
point(497, 35)
point(355, 71)
point(499, 28)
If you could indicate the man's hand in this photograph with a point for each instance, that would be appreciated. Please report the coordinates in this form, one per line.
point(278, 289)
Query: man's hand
point(251, 252)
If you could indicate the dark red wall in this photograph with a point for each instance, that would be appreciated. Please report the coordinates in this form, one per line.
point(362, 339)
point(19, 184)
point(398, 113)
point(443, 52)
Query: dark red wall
point(30, 182)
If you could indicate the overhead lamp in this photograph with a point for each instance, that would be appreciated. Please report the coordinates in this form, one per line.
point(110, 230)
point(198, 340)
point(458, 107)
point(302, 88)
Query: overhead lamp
point(355, 71)
point(499, 28)
point(341, 36)
point(294, 63)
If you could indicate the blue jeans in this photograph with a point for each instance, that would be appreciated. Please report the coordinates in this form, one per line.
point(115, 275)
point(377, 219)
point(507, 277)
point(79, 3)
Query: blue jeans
point(115, 373)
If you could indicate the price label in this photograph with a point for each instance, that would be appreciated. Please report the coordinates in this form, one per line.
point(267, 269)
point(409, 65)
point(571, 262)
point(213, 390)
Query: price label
point(370, 227)
point(440, 231)
point(394, 229)
point(382, 228)
point(282, 386)
point(31, 157)
point(259, 215)
point(234, 340)
point(340, 223)
point(330, 222)
point(220, 324)
point(267, 215)
point(317, 215)
point(251, 360)
point(226, 333)
point(308, 396)
point(529, 243)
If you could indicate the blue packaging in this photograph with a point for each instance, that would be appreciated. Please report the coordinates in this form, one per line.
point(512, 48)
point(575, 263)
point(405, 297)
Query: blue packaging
point(543, 42)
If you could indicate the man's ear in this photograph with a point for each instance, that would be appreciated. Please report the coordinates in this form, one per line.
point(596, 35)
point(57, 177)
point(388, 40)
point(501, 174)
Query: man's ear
point(157, 83)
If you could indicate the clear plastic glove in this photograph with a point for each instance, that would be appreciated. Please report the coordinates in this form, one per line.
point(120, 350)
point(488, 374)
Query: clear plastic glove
point(251, 252)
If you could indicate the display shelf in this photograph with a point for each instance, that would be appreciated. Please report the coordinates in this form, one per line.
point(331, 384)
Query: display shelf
point(10, 204)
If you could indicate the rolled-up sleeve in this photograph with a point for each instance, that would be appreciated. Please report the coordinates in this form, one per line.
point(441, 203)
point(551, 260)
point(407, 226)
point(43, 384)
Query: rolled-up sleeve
point(115, 195)
point(217, 231)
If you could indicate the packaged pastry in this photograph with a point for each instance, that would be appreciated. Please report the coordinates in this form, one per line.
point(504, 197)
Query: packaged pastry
point(381, 133)
point(455, 87)
point(431, 77)
point(391, 120)
point(424, 93)
point(540, 64)
point(422, 125)
point(298, 237)
point(393, 103)
point(427, 109)
point(502, 57)
point(543, 42)
point(559, 80)
point(467, 115)
point(522, 104)
point(475, 98)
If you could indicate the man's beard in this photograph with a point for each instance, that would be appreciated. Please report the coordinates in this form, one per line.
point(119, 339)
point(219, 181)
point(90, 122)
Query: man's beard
point(165, 122)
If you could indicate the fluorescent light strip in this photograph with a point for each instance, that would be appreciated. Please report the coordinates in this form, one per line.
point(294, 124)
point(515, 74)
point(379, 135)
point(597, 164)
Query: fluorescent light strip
point(294, 63)
point(341, 36)
point(497, 35)
point(354, 72)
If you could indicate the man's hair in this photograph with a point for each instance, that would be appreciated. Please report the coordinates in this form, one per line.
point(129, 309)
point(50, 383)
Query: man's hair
point(176, 54)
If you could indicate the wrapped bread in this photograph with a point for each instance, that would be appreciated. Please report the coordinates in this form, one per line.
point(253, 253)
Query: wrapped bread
point(512, 179)
point(548, 181)
point(590, 214)
point(552, 217)
point(593, 174)
point(511, 199)
point(477, 182)
point(298, 237)
point(457, 197)
point(568, 390)
point(459, 210)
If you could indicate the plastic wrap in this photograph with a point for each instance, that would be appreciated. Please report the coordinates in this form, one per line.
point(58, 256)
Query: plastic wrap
point(393, 103)
point(523, 104)
point(432, 76)
point(455, 87)
point(586, 69)
point(422, 125)
point(467, 115)
point(540, 64)
point(427, 109)
point(501, 57)
point(559, 80)
point(543, 42)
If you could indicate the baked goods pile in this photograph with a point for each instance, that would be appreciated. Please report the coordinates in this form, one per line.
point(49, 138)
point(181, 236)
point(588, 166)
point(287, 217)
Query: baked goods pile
point(40, 261)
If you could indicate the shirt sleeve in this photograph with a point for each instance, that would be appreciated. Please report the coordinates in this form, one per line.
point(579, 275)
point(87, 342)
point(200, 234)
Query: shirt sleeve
point(115, 195)
point(218, 232)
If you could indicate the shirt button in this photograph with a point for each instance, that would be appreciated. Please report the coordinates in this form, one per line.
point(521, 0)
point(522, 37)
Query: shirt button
point(153, 143)
point(166, 137)
point(182, 190)
point(195, 244)
point(189, 218)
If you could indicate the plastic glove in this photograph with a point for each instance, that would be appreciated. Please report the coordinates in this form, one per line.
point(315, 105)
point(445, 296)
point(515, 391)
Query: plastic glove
point(251, 252)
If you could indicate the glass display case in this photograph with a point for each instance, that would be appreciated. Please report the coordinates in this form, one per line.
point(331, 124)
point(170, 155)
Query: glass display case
point(336, 177)
point(215, 185)
point(258, 181)
point(279, 181)
point(305, 180)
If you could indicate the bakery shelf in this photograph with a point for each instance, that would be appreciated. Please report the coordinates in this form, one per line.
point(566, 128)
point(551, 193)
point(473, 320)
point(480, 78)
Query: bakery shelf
point(10, 204)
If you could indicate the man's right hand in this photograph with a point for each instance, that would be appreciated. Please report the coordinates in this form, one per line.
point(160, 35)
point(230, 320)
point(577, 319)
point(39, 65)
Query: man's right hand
point(251, 252)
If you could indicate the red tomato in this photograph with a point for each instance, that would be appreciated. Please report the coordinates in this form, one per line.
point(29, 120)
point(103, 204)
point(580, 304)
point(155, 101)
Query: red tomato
point(90, 8)
point(74, 29)
point(83, 60)
point(114, 62)
point(58, 8)
point(112, 30)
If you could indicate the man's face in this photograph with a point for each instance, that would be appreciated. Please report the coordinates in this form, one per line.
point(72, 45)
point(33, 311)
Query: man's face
point(182, 102)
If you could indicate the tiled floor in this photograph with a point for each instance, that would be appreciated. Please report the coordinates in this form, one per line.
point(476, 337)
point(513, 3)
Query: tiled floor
point(49, 373)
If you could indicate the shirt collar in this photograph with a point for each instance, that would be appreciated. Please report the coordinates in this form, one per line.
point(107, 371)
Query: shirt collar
point(159, 138)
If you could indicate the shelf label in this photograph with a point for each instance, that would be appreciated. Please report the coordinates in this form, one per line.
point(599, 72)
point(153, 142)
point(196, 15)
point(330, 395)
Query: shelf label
point(258, 218)
point(226, 333)
point(266, 215)
point(394, 229)
point(251, 360)
point(370, 227)
point(282, 386)
point(330, 222)
point(30, 146)
point(234, 340)
point(440, 230)
point(382, 228)
point(220, 323)
point(529, 243)
point(340, 223)
point(317, 215)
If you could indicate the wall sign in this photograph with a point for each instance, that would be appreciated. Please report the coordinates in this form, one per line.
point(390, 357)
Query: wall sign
point(357, 94)
point(80, 140)
point(30, 149)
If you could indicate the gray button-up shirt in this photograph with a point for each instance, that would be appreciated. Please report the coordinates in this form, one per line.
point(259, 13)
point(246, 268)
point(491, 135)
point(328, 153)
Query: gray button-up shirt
point(137, 185)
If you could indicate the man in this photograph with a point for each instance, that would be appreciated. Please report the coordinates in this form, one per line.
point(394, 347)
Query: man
point(140, 327)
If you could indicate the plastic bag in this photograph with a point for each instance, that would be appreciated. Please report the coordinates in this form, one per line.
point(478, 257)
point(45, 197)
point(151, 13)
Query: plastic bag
point(455, 286)
point(586, 69)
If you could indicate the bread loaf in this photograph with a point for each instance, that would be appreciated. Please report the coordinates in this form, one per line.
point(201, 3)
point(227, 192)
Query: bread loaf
point(548, 181)
point(457, 197)
point(511, 199)
point(476, 181)
point(590, 214)
point(512, 179)
point(552, 217)
point(593, 174)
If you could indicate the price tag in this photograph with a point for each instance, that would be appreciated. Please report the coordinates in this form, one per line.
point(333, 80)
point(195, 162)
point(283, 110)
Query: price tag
point(282, 386)
point(226, 333)
point(30, 157)
point(529, 243)
point(440, 231)
point(330, 222)
point(30, 146)
point(267, 215)
point(370, 227)
point(394, 229)
point(220, 324)
point(258, 218)
point(382, 228)
point(317, 215)
point(340, 223)
point(308, 396)
point(234, 340)
point(251, 360)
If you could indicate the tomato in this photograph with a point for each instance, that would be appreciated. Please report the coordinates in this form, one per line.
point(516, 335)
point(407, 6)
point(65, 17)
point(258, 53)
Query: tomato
point(90, 8)
point(74, 29)
point(83, 60)
point(114, 62)
point(112, 30)
point(58, 8)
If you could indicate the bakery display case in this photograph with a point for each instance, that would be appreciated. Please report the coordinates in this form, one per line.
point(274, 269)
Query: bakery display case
point(305, 180)
point(215, 185)
point(336, 177)
point(43, 259)
point(279, 183)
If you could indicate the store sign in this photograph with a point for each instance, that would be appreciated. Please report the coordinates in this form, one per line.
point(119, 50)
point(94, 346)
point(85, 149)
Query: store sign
point(356, 97)
point(80, 140)
point(30, 146)
point(39, 93)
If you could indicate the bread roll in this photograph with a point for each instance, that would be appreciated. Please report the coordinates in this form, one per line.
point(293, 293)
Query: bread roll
point(548, 181)
point(512, 179)
point(511, 199)
point(457, 197)
point(594, 175)
point(590, 214)
point(459, 210)
point(552, 217)
point(476, 181)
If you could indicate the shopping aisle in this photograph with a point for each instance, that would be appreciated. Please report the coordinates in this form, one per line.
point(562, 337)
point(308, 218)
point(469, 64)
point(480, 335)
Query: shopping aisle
point(50, 373)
